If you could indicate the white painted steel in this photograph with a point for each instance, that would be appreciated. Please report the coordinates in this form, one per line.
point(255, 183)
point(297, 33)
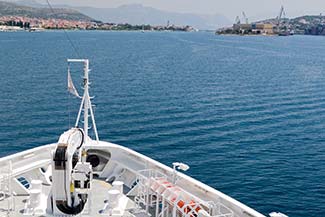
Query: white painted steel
point(124, 167)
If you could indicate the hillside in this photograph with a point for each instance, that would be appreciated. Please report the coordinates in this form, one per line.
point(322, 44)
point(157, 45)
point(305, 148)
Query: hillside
point(301, 20)
point(308, 19)
point(137, 14)
point(12, 9)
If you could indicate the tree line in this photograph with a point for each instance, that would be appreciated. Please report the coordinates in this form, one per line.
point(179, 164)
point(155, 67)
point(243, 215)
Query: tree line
point(21, 24)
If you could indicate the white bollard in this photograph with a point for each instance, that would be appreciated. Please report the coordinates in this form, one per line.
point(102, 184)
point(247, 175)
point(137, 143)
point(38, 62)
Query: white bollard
point(34, 198)
point(37, 185)
point(113, 198)
point(118, 185)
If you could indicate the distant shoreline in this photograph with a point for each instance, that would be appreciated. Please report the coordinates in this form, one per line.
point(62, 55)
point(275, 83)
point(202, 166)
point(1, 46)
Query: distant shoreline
point(96, 30)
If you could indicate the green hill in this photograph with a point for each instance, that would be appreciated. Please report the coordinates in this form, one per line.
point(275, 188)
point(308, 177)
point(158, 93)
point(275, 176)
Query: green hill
point(12, 9)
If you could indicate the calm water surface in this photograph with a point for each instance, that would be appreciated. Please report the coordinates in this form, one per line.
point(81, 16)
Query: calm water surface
point(246, 113)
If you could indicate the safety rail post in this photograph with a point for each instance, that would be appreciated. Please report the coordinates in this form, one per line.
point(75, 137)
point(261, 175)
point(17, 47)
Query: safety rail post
point(147, 195)
point(219, 210)
point(6, 193)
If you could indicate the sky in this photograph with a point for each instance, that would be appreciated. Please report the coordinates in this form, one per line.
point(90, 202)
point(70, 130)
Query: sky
point(255, 9)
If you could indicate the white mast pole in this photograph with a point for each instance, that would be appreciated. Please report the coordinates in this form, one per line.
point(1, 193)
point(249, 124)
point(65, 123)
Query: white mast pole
point(93, 119)
point(80, 110)
point(86, 95)
point(85, 102)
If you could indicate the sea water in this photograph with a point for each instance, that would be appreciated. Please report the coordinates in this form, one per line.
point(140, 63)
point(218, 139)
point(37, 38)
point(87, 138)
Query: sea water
point(246, 113)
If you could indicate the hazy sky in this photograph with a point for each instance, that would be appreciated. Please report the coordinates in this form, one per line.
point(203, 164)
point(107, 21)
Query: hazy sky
point(254, 9)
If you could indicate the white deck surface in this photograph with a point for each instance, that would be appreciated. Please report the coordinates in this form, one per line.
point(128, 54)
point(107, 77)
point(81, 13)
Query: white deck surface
point(98, 198)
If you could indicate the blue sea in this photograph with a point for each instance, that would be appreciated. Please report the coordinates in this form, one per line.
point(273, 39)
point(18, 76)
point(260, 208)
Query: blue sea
point(246, 113)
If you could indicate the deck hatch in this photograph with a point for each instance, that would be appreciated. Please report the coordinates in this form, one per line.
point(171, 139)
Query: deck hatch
point(24, 182)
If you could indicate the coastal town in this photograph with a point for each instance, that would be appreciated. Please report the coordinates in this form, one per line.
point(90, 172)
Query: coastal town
point(20, 23)
point(16, 17)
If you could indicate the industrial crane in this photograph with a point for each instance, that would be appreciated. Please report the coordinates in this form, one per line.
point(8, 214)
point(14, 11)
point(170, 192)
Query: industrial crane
point(281, 16)
point(245, 18)
point(237, 21)
point(320, 18)
point(283, 26)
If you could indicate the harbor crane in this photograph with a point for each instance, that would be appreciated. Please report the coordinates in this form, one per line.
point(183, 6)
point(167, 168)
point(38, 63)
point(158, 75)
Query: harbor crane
point(282, 25)
point(245, 17)
point(321, 18)
point(237, 21)
point(281, 16)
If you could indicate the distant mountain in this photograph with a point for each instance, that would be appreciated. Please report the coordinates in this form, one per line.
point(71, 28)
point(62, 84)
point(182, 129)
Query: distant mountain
point(138, 14)
point(13, 9)
point(31, 3)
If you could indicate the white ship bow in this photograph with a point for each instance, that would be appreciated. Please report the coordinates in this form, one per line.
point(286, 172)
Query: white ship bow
point(80, 176)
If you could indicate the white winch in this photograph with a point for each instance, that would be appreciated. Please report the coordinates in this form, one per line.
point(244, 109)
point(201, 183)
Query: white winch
point(71, 175)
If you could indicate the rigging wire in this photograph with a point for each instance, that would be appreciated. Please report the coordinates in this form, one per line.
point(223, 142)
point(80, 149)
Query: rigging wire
point(65, 32)
point(69, 100)
point(76, 53)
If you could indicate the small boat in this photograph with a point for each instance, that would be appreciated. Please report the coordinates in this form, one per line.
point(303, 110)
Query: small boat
point(36, 29)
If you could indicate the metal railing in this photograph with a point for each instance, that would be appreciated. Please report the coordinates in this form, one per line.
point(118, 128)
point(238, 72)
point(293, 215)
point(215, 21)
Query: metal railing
point(164, 199)
point(6, 194)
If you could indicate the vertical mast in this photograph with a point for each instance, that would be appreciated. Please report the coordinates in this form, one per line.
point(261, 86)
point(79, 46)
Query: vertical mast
point(86, 96)
point(85, 105)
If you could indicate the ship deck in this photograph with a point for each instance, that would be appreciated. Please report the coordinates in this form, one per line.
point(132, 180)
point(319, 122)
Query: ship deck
point(94, 207)
point(149, 187)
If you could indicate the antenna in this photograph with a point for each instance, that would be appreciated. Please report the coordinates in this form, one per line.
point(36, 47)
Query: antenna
point(85, 105)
